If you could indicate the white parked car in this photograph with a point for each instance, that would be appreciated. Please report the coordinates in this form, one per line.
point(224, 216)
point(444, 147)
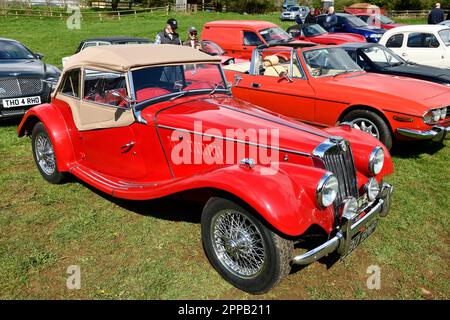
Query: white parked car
point(423, 44)
point(292, 12)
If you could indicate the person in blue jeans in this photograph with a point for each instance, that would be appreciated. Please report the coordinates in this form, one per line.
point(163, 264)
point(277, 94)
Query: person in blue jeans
point(331, 20)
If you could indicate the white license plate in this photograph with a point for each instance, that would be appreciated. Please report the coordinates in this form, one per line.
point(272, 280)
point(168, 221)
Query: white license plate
point(20, 102)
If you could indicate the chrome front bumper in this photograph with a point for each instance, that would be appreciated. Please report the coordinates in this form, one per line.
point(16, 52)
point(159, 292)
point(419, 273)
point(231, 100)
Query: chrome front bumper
point(438, 133)
point(341, 242)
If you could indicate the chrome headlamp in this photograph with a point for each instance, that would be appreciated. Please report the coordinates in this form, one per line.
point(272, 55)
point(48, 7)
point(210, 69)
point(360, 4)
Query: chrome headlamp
point(327, 190)
point(350, 208)
point(376, 160)
point(372, 189)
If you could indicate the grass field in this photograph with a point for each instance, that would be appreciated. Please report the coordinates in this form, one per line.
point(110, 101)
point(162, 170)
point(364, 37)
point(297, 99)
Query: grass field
point(152, 250)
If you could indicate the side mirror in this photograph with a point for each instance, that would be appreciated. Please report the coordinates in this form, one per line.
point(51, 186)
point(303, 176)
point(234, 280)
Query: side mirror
point(39, 56)
point(237, 79)
point(285, 76)
point(118, 95)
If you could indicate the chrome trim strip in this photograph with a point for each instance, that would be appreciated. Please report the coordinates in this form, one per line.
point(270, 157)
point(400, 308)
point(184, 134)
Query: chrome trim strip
point(235, 140)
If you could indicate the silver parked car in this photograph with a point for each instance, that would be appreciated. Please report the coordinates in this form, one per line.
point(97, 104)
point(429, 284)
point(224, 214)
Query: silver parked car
point(292, 12)
point(445, 23)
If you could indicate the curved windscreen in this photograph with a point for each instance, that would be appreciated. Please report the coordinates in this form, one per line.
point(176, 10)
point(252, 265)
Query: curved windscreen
point(177, 80)
point(313, 30)
point(329, 62)
point(383, 56)
point(14, 50)
point(274, 35)
point(445, 36)
point(356, 22)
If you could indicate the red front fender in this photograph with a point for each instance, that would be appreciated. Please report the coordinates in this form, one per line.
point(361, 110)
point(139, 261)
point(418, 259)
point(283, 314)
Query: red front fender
point(285, 199)
point(57, 129)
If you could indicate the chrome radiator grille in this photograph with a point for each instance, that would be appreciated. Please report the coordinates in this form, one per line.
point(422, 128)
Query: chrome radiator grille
point(336, 156)
point(17, 87)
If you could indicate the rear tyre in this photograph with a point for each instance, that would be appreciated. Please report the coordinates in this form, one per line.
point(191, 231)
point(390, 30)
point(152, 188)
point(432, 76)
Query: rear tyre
point(242, 249)
point(44, 155)
point(372, 123)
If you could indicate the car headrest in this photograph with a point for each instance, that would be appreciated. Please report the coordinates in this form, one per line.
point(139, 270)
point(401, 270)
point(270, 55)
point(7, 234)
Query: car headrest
point(271, 61)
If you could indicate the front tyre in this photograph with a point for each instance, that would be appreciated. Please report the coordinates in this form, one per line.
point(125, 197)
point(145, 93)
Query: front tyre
point(44, 155)
point(244, 251)
point(372, 123)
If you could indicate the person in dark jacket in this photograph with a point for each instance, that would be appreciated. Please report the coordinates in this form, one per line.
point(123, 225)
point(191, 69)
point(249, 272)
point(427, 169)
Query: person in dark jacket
point(169, 35)
point(436, 15)
point(311, 17)
point(331, 20)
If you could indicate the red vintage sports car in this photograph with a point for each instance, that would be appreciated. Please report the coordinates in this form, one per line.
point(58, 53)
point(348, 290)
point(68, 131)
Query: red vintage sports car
point(323, 86)
point(315, 33)
point(144, 122)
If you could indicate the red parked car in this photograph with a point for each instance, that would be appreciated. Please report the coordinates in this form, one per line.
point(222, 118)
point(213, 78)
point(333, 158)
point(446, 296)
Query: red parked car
point(317, 34)
point(379, 20)
point(323, 86)
point(143, 122)
point(239, 37)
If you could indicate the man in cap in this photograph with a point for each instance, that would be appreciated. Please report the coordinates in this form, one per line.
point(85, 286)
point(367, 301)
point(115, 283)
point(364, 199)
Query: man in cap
point(169, 35)
point(192, 40)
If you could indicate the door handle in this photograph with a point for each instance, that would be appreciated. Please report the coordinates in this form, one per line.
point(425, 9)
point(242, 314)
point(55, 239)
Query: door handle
point(256, 85)
point(127, 146)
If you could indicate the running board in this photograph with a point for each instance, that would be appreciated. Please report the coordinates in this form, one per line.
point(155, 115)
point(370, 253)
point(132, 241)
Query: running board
point(110, 185)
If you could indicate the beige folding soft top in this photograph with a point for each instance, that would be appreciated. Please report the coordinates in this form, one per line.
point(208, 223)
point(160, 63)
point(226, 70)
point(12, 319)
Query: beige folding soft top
point(125, 57)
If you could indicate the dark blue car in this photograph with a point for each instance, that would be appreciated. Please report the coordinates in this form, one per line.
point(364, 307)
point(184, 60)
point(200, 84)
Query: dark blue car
point(351, 24)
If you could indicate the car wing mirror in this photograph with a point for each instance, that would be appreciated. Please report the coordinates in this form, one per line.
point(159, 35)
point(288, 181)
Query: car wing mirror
point(284, 76)
point(128, 102)
point(237, 79)
point(39, 56)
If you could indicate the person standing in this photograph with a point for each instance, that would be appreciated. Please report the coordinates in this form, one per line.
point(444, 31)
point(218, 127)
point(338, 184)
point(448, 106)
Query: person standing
point(331, 20)
point(311, 16)
point(192, 40)
point(436, 15)
point(169, 34)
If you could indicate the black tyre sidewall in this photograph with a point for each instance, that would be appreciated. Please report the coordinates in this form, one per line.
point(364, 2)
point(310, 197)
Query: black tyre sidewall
point(57, 177)
point(269, 275)
point(382, 126)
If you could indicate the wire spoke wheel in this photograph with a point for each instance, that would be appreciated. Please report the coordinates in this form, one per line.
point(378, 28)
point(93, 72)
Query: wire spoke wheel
point(238, 243)
point(44, 154)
